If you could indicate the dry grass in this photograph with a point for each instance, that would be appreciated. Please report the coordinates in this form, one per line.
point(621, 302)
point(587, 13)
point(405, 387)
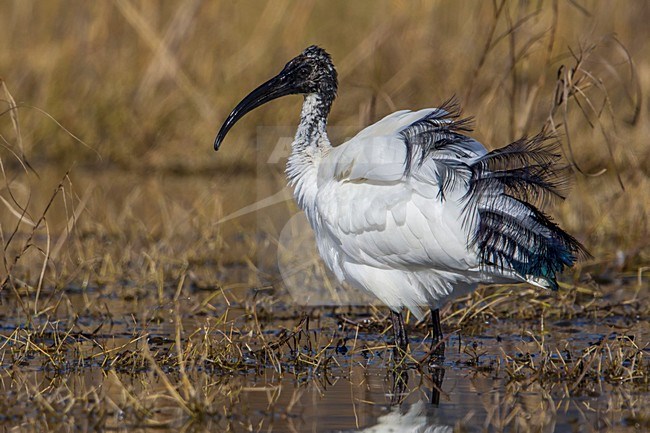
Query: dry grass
point(116, 273)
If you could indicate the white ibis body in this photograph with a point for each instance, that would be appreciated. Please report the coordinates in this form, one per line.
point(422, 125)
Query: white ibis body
point(411, 209)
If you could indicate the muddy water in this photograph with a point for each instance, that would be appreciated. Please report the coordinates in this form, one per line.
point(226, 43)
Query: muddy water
point(465, 399)
point(469, 390)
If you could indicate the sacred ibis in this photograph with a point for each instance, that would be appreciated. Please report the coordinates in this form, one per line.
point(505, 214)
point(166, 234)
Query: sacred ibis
point(412, 209)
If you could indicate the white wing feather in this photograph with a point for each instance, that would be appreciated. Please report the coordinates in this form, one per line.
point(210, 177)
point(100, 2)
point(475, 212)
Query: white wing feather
point(388, 231)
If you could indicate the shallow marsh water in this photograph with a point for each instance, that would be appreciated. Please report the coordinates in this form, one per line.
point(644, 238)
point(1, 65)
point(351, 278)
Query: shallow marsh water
point(92, 386)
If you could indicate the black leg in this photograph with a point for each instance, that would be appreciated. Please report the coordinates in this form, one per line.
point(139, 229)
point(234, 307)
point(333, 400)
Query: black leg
point(435, 325)
point(436, 331)
point(401, 339)
point(437, 376)
point(437, 371)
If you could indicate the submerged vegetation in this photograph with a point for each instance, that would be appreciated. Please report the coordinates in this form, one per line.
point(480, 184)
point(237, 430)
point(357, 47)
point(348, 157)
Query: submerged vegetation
point(134, 296)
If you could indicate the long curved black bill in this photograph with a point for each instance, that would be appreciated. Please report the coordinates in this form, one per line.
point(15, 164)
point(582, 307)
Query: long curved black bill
point(272, 89)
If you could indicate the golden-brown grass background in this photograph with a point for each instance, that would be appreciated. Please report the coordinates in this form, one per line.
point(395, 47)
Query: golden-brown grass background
point(127, 96)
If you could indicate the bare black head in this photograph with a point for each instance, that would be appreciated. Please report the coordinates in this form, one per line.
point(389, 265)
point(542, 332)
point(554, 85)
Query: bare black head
point(311, 72)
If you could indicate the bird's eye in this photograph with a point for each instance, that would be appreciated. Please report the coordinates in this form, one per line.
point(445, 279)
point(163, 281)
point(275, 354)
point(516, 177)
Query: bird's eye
point(304, 71)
